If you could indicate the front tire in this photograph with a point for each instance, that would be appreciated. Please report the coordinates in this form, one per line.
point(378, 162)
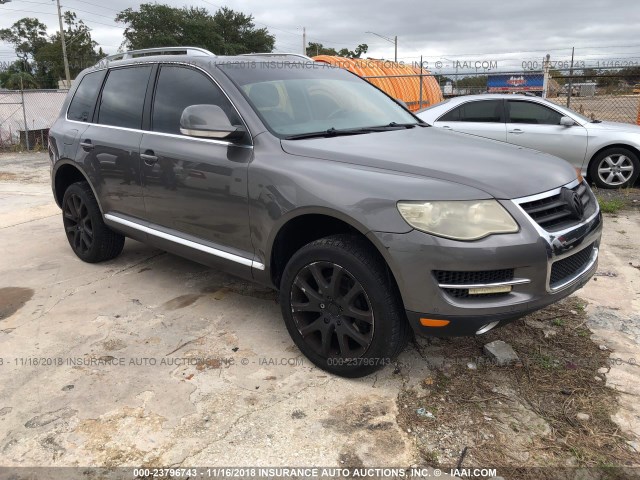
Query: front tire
point(342, 308)
point(90, 239)
point(614, 168)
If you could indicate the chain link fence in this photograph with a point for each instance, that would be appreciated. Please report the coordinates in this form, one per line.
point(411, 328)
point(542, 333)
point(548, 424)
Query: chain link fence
point(26, 117)
point(606, 95)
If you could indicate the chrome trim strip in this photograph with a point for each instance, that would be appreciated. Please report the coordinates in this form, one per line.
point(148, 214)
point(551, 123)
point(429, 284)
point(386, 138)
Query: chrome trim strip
point(577, 275)
point(518, 281)
point(549, 193)
point(187, 243)
point(172, 135)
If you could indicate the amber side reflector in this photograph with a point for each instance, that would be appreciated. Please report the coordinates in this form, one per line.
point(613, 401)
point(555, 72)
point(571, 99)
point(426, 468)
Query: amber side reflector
point(429, 322)
point(579, 172)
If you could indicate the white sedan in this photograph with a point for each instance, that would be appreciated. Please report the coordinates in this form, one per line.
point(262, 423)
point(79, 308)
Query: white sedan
point(606, 152)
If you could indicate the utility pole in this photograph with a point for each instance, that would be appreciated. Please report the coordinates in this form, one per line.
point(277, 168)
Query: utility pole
point(390, 40)
point(546, 63)
point(304, 40)
point(421, 77)
point(24, 116)
point(64, 47)
point(570, 91)
point(395, 56)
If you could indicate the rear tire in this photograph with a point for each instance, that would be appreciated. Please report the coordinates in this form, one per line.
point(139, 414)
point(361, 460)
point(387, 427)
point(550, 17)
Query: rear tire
point(614, 168)
point(342, 308)
point(90, 239)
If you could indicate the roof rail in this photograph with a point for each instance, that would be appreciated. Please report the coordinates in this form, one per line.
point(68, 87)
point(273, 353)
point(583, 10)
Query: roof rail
point(193, 51)
point(299, 55)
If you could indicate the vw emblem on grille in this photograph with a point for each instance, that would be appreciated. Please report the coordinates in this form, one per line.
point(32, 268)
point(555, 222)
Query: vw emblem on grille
point(573, 202)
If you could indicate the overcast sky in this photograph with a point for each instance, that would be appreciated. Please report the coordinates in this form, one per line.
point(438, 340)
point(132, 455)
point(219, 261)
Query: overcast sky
point(443, 31)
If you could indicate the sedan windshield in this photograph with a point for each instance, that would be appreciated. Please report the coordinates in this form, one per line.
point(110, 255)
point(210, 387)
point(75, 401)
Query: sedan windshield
point(298, 100)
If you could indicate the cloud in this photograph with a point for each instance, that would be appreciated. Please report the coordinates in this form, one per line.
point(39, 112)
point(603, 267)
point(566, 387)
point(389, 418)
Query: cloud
point(509, 32)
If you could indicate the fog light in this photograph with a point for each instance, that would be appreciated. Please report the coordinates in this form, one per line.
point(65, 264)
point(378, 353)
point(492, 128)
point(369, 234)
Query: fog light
point(430, 322)
point(487, 290)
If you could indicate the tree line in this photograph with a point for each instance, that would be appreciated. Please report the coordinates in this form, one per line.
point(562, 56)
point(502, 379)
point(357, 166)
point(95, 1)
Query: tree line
point(225, 32)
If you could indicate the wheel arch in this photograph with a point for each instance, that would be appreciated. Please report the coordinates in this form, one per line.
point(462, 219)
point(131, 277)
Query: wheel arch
point(306, 225)
point(67, 173)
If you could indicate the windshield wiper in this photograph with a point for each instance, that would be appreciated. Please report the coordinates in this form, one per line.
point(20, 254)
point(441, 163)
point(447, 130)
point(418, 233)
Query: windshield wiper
point(596, 121)
point(392, 126)
point(333, 132)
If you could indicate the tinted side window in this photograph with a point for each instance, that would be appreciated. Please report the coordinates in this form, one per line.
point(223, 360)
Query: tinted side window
point(529, 112)
point(179, 88)
point(84, 101)
point(123, 97)
point(452, 116)
point(483, 111)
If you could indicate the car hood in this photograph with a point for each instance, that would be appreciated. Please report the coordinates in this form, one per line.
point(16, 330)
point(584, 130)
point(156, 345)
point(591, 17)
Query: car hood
point(614, 126)
point(503, 171)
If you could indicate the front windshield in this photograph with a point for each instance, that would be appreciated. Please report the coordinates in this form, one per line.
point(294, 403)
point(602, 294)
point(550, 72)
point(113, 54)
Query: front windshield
point(304, 98)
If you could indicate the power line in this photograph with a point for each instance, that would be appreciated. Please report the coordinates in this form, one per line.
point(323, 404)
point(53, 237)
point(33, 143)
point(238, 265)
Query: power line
point(98, 6)
point(324, 42)
point(37, 3)
point(29, 11)
point(86, 11)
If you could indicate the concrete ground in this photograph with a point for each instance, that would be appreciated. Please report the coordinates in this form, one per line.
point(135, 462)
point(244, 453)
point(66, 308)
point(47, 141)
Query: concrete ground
point(150, 359)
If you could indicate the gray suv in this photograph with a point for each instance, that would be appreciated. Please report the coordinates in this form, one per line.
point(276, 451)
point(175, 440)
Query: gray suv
point(306, 178)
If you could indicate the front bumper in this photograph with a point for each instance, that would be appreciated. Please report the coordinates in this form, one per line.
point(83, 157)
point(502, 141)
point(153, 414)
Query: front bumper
point(530, 254)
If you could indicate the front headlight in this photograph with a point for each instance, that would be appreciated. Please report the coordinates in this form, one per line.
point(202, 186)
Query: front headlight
point(459, 220)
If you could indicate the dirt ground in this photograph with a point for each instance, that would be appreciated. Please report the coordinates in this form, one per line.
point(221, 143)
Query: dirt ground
point(612, 108)
point(153, 360)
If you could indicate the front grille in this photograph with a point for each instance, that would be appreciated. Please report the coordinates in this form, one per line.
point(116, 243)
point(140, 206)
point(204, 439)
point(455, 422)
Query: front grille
point(447, 277)
point(554, 213)
point(564, 269)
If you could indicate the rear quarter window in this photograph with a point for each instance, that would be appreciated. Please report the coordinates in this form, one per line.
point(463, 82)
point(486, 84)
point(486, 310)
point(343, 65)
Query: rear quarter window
point(84, 101)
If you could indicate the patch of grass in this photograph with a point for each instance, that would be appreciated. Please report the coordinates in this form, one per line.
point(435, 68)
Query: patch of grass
point(558, 322)
point(611, 206)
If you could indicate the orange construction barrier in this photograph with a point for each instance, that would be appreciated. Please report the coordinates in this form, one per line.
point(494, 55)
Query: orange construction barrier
point(397, 80)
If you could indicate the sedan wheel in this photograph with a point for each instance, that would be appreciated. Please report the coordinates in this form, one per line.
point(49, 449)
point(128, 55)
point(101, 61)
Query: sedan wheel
point(614, 168)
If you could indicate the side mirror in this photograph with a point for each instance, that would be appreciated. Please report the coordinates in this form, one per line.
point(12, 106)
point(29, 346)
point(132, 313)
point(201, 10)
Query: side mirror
point(208, 121)
point(567, 121)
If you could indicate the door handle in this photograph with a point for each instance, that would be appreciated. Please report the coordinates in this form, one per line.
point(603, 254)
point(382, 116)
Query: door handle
point(516, 131)
point(87, 145)
point(447, 127)
point(149, 158)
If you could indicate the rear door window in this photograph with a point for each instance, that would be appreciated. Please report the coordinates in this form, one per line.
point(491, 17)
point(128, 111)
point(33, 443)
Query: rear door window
point(123, 95)
point(84, 101)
